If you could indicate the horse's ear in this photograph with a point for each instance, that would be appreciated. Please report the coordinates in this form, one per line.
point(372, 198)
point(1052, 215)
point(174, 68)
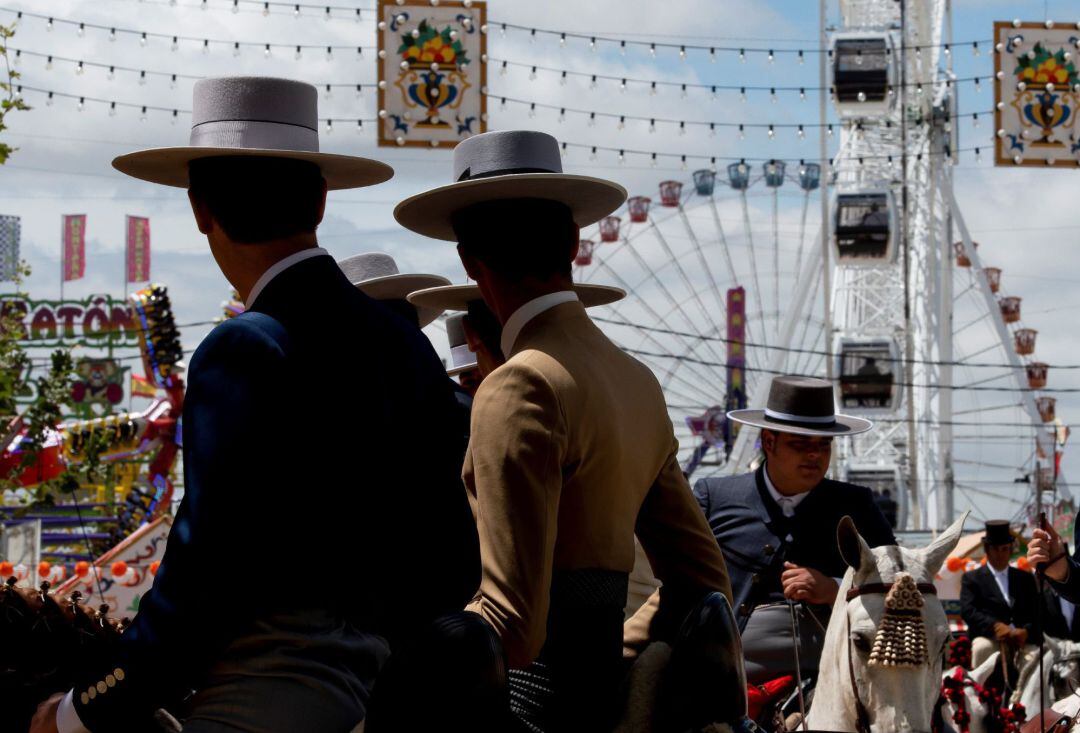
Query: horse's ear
point(935, 553)
point(853, 547)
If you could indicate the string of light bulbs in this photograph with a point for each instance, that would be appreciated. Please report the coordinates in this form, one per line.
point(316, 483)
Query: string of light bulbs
point(594, 40)
point(335, 122)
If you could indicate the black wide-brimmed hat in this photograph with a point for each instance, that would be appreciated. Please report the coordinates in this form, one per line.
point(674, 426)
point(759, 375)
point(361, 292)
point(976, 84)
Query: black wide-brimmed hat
point(803, 406)
point(998, 532)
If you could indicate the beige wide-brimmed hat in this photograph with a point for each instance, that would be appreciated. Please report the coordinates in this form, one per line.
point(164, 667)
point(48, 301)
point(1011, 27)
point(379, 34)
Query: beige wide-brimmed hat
point(253, 116)
point(458, 297)
point(803, 406)
point(376, 275)
point(509, 164)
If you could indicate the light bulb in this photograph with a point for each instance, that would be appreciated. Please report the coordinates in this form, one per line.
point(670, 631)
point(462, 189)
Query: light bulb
point(81, 105)
point(298, 53)
point(329, 126)
point(802, 132)
point(652, 126)
point(49, 100)
point(712, 55)
point(172, 82)
point(266, 9)
point(79, 68)
point(296, 11)
point(532, 110)
point(682, 129)
point(236, 6)
point(742, 56)
point(266, 51)
point(532, 74)
point(142, 115)
point(622, 157)
point(175, 114)
point(771, 56)
point(742, 94)
point(562, 115)
point(592, 154)
point(82, 30)
point(592, 44)
point(329, 53)
point(592, 119)
point(112, 109)
point(802, 93)
point(684, 91)
point(49, 25)
point(592, 82)
point(802, 59)
point(236, 49)
point(359, 91)
point(175, 43)
point(111, 74)
point(652, 50)
point(48, 64)
point(562, 40)
point(329, 91)
point(742, 132)
point(682, 53)
point(772, 132)
point(142, 78)
point(142, 39)
point(712, 129)
point(772, 95)
point(112, 35)
point(622, 123)
point(622, 85)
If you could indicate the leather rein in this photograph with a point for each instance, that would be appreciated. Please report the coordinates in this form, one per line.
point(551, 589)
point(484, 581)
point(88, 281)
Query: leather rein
point(862, 716)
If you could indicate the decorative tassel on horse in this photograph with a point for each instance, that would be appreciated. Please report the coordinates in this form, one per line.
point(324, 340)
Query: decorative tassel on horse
point(901, 636)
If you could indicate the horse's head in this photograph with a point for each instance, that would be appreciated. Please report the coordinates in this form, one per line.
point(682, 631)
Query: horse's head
point(886, 637)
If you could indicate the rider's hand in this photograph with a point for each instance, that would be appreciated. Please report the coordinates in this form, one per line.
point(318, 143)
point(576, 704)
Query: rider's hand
point(1002, 631)
point(1046, 544)
point(1018, 637)
point(45, 718)
point(807, 584)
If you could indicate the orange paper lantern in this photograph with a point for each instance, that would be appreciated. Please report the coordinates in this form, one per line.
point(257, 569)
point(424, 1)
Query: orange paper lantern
point(956, 564)
point(6, 569)
point(154, 566)
point(119, 568)
point(1023, 564)
point(43, 569)
point(82, 569)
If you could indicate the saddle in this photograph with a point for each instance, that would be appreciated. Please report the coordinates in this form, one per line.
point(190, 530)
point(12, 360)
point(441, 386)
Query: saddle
point(1055, 722)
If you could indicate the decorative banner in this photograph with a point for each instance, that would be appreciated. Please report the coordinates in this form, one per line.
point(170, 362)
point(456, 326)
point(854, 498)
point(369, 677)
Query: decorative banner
point(10, 234)
point(74, 246)
point(138, 249)
point(142, 387)
point(432, 72)
point(736, 359)
point(1036, 94)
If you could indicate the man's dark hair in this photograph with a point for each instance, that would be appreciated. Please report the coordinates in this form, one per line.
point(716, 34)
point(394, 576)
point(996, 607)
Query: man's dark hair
point(258, 199)
point(519, 238)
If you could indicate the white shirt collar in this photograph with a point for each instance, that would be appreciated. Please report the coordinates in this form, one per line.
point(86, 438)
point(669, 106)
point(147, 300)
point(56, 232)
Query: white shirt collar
point(279, 267)
point(787, 503)
point(517, 320)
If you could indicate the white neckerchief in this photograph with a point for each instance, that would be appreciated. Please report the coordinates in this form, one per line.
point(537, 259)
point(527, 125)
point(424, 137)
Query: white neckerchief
point(1002, 579)
point(524, 314)
point(787, 503)
point(279, 267)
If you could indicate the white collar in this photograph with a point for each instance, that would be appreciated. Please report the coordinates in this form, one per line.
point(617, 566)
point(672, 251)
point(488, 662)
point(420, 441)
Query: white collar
point(279, 267)
point(782, 499)
point(517, 320)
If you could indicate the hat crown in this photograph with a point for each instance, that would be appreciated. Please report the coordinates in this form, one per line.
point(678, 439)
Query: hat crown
point(807, 397)
point(255, 99)
point(505, 152)
point(455, 331)
point(368, 266)
point(998, 532)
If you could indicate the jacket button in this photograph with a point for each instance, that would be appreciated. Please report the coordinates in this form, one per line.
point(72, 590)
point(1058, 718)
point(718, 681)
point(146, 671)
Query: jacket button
point(744, 609)
point(768, 550)
point(755, 578)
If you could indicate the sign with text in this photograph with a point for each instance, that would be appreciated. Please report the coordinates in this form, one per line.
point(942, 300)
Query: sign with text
point(432, 72)
point(74, 244)
point(98, 321)
point(138, 249)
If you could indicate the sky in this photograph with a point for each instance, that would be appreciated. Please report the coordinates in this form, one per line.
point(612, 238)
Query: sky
point(1025, 220)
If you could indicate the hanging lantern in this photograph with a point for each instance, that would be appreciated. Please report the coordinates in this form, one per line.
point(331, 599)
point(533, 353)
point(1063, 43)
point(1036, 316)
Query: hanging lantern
point(1025, 341)
point(1036, 374)
point(774, 173)
point(704, 182)
point(639, 208)
point(584, 255)
point(1010, 309)
point(609, 229)
point(1046, 408)
point(809, 176)
point(962, 260)
point(993, 278)
point(670, 191)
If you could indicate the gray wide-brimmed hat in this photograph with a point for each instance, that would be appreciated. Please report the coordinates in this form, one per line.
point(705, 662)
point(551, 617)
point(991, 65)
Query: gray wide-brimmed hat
point(803, 406)
point(253, 116)
point(458, 297)
point(376, 275)
point(510, 164)
point(462, 359)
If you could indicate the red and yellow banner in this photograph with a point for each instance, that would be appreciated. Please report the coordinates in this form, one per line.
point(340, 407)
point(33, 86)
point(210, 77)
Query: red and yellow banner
point(74, 239)
point(142, 387)
point(138, 249)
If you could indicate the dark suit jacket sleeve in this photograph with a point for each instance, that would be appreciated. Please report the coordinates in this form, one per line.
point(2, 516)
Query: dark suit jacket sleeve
point(972, 601)
point(234, 489)
point(1070, 588)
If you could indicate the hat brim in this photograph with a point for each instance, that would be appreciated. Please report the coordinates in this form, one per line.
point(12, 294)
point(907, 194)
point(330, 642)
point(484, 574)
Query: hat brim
point(844, 425)
point(169, 166)
point(589, 199)
point(398, 287)
point(458, 297)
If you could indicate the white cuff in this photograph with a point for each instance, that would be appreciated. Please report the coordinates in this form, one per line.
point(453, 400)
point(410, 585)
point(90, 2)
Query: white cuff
point(67, 720)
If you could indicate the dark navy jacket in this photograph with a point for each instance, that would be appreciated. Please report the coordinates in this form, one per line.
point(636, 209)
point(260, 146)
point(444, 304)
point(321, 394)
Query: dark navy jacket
point(322, 467)
point(752, 532)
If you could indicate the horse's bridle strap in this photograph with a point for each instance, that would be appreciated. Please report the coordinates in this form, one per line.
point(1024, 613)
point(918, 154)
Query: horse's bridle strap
point(883, 588)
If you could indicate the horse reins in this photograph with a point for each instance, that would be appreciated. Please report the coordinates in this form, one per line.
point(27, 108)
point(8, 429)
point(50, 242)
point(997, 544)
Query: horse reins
point(861, 714)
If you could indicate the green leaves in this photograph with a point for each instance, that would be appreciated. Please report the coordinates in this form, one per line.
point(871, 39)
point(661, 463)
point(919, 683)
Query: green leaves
point(9, 101)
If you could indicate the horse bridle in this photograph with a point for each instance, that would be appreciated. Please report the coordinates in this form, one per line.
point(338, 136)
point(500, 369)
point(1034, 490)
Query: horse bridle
point(862, 717)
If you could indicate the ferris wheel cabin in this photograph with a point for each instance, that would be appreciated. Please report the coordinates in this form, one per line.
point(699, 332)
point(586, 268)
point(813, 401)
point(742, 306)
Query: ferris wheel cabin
point(865, 225)
point(863, 73)
point(868, 370)
point(888, 489)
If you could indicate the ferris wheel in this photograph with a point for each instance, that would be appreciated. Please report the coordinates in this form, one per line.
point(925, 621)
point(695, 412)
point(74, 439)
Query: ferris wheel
point(729, 288)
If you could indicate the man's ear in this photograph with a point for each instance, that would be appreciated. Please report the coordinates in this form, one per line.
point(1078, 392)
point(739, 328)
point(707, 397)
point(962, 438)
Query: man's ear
point(472, 267)
point(203, 219)
point(768, 441)
point(577, 244)
point(472, 339)
point(322, 204)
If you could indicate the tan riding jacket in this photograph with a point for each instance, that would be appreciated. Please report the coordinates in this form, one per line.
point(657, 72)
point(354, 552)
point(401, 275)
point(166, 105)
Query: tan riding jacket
point(572, 451)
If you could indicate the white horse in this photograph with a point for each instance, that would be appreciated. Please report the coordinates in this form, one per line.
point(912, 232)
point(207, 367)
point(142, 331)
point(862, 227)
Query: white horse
point(972, 705)
point(881, 667)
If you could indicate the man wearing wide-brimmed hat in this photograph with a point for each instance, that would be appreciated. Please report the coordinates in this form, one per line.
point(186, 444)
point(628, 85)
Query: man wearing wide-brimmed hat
point(571, 449)
point(999, 602)
point(777, 525)
point(297, 555)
